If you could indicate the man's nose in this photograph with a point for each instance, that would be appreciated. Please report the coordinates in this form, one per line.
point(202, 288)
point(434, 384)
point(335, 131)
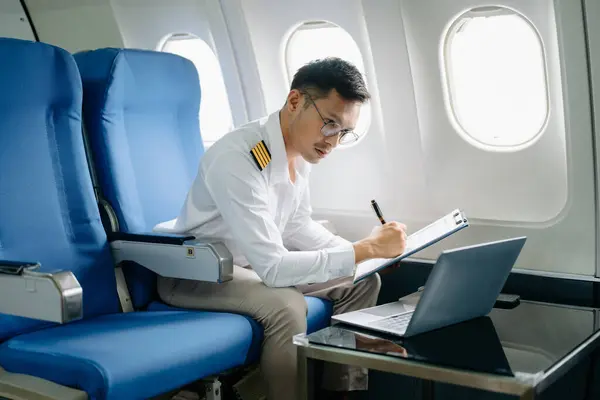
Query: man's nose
point(332, 141)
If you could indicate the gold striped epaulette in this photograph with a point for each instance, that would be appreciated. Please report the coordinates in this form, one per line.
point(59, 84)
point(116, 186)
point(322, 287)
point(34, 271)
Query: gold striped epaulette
point(261, 155)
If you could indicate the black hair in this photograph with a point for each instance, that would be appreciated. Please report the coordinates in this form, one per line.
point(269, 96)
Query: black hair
point(319, 77)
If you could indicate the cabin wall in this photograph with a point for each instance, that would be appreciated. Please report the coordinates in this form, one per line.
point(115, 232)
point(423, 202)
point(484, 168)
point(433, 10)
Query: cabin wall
point(591, 11)
point(239, 35)
point(545, 191)
point(13, 21)
point(75, 25)
point(411, 158)
point(147, 24)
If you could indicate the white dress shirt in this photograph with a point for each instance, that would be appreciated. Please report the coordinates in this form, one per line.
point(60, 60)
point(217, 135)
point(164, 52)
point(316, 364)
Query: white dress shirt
point(261, 216)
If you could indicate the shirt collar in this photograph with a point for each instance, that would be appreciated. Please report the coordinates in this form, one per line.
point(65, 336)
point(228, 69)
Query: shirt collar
point(279, 172)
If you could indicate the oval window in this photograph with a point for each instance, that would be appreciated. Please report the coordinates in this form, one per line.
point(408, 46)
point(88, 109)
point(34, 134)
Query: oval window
point(496, 78)
point(215, 112)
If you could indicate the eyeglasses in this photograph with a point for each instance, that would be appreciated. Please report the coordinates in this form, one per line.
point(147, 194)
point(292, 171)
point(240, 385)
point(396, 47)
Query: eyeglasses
point(332, 128)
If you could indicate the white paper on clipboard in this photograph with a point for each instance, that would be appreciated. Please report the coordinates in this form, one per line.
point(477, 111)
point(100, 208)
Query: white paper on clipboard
point(432, 233)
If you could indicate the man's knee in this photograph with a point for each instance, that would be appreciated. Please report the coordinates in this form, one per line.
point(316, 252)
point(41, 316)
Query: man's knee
point(372, 283)
point(285, 307)
point(367, 291)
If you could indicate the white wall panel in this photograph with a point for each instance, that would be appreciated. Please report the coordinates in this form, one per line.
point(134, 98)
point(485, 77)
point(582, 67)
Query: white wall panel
point(235, 20)
point(75, 25)
point(592, 14)
point(410, 88)
point(145, 23)
point(524, 186)
point(410, 200)
point(13, 21)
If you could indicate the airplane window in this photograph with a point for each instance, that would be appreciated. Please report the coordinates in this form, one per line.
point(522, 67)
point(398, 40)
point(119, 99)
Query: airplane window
point(320, 39)
point(215, 112)
point(496, 79)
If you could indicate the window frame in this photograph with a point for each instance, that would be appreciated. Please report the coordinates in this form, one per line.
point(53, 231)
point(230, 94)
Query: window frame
point(449, 86)
point(304, 26)
point(180, 36)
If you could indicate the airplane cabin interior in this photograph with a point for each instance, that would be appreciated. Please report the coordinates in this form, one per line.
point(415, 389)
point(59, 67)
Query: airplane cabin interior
point(108, 107)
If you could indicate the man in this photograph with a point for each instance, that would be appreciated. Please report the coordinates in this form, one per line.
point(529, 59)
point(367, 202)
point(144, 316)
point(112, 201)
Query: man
point(251, 192)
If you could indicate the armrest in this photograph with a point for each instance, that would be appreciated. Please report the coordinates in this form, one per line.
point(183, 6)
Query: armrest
point(24, 292)
point(17, 267)
point(150, 237)
point(174, 256)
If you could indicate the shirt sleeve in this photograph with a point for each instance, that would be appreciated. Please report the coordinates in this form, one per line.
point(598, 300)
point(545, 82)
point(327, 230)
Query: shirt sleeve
point(241, 194)
point(304, 233)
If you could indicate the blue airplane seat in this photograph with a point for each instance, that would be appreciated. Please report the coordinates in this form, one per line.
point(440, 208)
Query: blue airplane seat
point(141, 117)
point(48, 214)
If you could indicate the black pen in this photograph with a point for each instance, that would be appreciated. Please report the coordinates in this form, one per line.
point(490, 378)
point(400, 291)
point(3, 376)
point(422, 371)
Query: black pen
point(377, 211)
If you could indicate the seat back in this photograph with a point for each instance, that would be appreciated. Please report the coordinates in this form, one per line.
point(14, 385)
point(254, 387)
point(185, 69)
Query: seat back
point(48, 211)
point(141, 118)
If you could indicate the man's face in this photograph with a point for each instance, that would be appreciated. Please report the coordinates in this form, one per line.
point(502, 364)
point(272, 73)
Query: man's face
point(305, 127)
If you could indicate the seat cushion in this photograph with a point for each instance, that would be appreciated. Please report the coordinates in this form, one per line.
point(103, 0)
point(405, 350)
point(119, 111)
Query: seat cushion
point(318, 317)
point(319, 313)
point(256, 334)
point(48, 212)
point(132, 355)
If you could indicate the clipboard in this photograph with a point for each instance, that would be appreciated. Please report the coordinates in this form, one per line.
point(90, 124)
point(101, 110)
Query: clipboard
point(431, 234)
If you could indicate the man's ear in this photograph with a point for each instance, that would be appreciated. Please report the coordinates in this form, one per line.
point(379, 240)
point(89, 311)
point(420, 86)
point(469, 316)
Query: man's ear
point(294, 100)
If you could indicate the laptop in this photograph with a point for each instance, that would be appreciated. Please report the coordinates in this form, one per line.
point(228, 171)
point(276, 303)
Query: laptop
point(464, 284)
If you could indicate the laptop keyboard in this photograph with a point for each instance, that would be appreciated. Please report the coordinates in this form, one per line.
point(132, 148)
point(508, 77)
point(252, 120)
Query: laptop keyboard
point(389, 309)
point(396, 322)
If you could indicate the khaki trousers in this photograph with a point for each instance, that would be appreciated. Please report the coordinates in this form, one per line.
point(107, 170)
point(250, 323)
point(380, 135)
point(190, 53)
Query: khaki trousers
point(282, 313)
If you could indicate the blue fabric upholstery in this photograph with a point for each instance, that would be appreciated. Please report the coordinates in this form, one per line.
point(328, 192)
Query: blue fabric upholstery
point(141, 116)
point(134, 355)
point(256, 335)
point(318, 317)
point(319, 313)
point(48, 212)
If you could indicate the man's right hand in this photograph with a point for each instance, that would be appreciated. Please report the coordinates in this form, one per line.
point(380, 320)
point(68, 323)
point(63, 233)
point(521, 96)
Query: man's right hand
point(389, 240)
point(385, 241)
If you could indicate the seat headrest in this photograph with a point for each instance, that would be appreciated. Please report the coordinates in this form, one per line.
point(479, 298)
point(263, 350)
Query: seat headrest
point(38, 73)
point(138, 78)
